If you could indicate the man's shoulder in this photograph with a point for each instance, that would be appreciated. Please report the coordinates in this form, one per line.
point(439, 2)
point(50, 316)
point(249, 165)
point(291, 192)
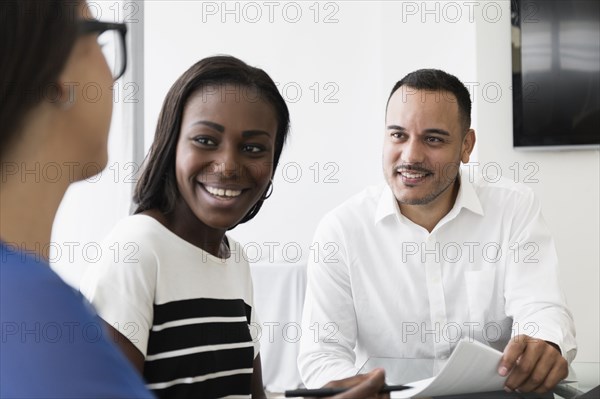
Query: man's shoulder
point(363, 202)
point(355, 211)
point(502, 190)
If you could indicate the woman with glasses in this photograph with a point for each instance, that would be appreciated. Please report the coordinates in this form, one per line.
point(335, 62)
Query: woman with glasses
point(182, 308)
point(52, 344)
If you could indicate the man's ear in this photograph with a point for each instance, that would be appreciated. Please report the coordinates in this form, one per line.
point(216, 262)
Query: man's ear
point(467, 146)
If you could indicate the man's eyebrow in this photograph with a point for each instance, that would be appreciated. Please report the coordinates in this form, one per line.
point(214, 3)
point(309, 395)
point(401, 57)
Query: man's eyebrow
point(432, 130)
point(213, 125)
point(395, 127)
point(437, 131)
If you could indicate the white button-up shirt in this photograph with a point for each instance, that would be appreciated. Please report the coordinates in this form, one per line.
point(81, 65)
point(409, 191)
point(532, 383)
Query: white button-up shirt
point(381, 285)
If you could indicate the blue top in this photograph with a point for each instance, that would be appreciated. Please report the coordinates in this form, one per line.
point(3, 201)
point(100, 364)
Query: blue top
point(52, 342)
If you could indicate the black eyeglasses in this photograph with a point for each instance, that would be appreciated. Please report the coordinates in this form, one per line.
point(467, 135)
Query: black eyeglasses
point(111, 37)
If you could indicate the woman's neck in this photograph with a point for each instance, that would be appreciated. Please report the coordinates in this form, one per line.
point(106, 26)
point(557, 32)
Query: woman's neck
point(28, 205)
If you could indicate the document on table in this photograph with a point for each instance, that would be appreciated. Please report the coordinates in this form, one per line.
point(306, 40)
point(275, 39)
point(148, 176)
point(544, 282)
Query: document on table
point(472, 368)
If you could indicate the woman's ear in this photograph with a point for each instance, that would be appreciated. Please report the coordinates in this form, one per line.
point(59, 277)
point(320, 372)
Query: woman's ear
point(66, 84)
point(65, 95)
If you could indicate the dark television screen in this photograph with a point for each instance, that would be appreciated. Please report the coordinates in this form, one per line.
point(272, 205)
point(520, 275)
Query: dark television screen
point(556, 73)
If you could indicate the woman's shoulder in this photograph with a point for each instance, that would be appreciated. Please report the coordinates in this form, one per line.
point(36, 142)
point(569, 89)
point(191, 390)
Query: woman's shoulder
point(139, 226)
point(141, 234)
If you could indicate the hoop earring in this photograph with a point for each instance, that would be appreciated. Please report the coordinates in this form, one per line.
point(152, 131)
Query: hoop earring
point(269, 190)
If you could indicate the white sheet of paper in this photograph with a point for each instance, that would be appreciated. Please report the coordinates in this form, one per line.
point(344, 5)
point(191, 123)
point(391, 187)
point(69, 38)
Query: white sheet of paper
point(472, 367)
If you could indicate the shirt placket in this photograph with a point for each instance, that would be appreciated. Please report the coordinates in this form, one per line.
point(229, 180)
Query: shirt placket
point(437, 301)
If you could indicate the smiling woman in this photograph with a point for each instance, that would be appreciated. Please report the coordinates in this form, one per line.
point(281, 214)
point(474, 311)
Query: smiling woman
point(224, 157)
point(157, 185)
point(183, 310)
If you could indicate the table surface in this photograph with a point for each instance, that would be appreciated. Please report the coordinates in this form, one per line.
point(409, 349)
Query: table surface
point(586, 375)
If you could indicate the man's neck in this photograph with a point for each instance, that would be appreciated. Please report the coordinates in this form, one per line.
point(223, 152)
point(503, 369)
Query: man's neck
point(429, 215)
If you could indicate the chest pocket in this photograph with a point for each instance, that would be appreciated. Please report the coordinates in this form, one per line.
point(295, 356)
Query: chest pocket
point(480, 286)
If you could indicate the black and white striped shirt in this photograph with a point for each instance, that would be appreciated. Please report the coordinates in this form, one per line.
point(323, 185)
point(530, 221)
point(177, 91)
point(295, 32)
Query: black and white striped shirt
point(189, 313)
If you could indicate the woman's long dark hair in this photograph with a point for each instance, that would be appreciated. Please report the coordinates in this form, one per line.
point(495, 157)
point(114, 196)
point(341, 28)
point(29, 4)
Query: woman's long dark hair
point(157, 186)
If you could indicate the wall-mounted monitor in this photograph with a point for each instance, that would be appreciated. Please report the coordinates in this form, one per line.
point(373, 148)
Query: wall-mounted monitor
point(556, 74)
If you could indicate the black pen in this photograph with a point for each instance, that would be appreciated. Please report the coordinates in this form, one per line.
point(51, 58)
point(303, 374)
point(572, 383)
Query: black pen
point(322, 392)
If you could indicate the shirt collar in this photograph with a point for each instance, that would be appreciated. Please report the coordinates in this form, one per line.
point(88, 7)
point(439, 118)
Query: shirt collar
point(387, 205)
point(466, 198)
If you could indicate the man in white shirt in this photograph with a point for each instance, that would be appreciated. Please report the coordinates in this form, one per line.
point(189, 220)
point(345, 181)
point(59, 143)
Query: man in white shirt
point(435, 256)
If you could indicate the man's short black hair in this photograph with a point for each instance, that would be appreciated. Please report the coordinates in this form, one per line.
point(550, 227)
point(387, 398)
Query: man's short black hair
point(437, 80)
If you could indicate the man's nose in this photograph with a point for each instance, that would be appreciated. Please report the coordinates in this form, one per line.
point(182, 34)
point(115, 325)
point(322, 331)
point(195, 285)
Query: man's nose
point(412, 151)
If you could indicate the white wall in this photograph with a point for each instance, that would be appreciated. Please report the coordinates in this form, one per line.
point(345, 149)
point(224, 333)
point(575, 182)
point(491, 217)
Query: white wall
point(568, 182)
point(90, 209)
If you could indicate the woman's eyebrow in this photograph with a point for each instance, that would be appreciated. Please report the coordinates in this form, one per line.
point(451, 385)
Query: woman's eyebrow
point(252, 133)
point(221, 129)
point(213, 125)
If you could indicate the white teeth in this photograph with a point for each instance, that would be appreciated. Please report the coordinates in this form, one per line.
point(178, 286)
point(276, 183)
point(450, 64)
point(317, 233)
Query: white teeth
point(232, 193)
point(413, 175)
point(223, 192)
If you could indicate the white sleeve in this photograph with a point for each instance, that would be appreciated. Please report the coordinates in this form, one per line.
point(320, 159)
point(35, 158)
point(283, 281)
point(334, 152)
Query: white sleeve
point(533, 295)
point(121, 287)
point(329, 327)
